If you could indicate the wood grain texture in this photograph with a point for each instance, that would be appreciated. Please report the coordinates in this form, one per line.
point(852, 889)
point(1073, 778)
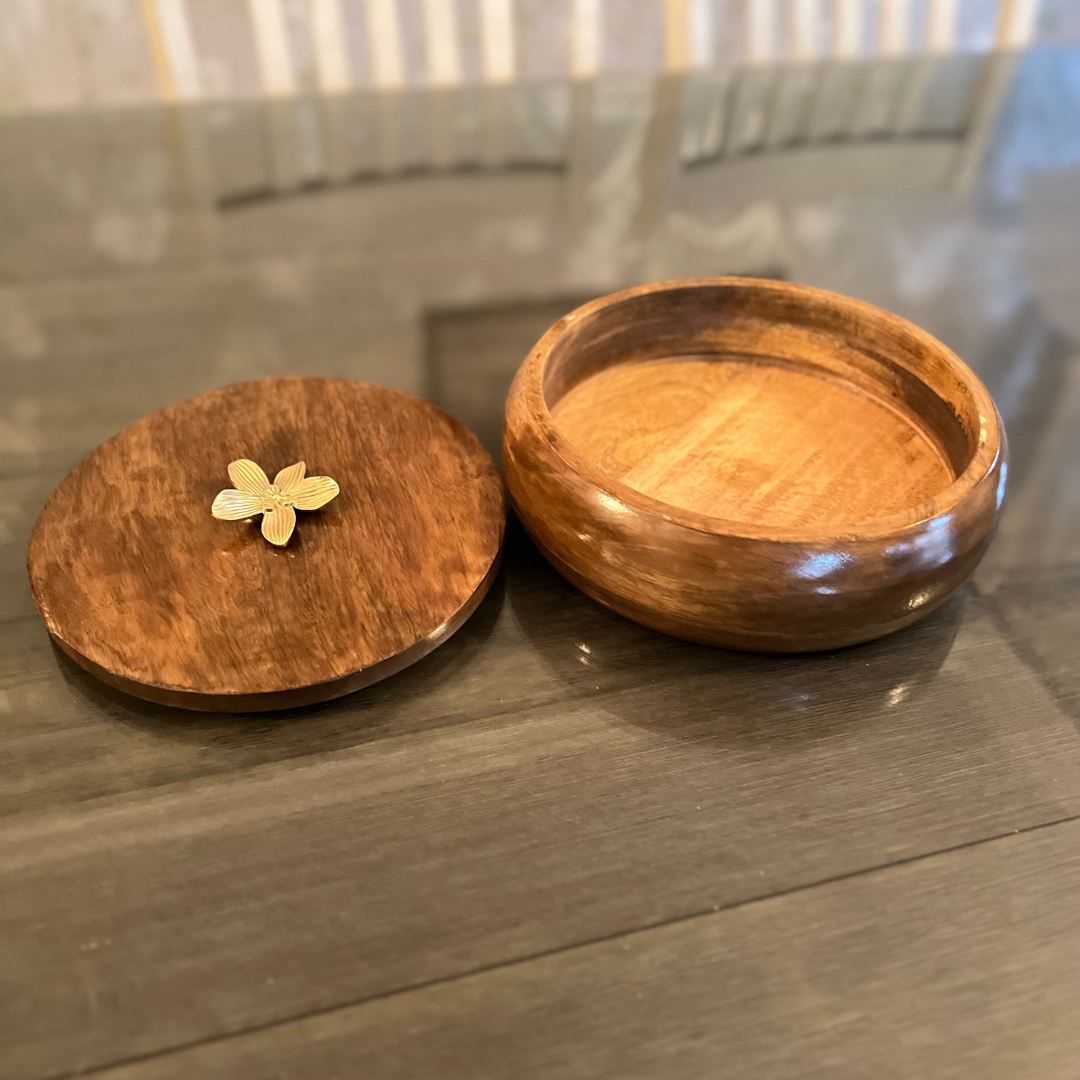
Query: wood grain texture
point(171, 878)
point(756, 443)
point(142, 587)
point(554, 776)
point(754, 464)
point(977, 950)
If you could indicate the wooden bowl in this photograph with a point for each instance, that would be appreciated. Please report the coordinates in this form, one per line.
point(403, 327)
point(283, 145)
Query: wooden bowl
point(754, 464)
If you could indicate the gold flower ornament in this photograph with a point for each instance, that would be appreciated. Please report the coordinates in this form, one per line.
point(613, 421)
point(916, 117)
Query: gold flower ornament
point(277, 502)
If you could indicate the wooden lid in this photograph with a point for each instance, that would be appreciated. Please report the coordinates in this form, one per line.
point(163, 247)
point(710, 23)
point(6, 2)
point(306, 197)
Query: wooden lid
point(138, 583)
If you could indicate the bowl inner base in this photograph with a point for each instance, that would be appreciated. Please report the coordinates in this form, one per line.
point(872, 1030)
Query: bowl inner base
point(754, 440)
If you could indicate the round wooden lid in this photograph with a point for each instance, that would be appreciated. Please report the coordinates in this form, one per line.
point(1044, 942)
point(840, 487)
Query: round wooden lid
point(138, 583)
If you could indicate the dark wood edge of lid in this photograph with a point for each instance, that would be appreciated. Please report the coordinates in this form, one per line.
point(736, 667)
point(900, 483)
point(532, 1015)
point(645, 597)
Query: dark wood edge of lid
point(301, 695)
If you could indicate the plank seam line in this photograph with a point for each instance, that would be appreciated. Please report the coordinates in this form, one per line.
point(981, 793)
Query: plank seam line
point(556, 951)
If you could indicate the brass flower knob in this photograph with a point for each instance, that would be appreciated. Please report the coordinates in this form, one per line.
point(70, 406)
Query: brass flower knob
point(277, 502)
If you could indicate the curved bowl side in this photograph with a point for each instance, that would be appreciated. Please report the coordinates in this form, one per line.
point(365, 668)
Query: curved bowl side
point(739, 592)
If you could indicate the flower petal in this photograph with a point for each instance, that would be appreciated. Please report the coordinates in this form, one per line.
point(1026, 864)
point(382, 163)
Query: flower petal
point(314, 492)
point(232, 505)
point(287, 479)
point(247, 476)
point(278, 525)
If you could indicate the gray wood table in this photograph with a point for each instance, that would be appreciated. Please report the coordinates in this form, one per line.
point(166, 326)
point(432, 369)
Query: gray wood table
point(562, 845)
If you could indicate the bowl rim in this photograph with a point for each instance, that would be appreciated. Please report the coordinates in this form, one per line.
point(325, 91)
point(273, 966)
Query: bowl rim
point(989, 452)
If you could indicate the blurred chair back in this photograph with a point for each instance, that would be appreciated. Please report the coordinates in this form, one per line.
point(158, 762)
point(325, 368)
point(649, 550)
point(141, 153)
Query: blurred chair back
point(74, 53)
point(287, 97)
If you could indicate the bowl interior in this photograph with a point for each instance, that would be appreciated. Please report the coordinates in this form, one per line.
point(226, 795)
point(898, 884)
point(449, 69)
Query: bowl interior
point(762, 404)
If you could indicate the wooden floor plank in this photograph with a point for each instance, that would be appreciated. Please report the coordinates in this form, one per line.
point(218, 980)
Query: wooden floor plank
point(170, 878)
point(535, 643)
point(959, 965)
point(1038, 613)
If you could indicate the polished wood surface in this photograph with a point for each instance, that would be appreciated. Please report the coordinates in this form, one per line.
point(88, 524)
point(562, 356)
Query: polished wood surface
point(775, 991)
point(174, 879)
point(562, 844)
point(753, 442)
point(754, 464)
point(139, 584)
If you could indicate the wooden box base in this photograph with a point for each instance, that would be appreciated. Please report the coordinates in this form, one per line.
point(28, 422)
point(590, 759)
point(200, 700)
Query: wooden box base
point(754, 464)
